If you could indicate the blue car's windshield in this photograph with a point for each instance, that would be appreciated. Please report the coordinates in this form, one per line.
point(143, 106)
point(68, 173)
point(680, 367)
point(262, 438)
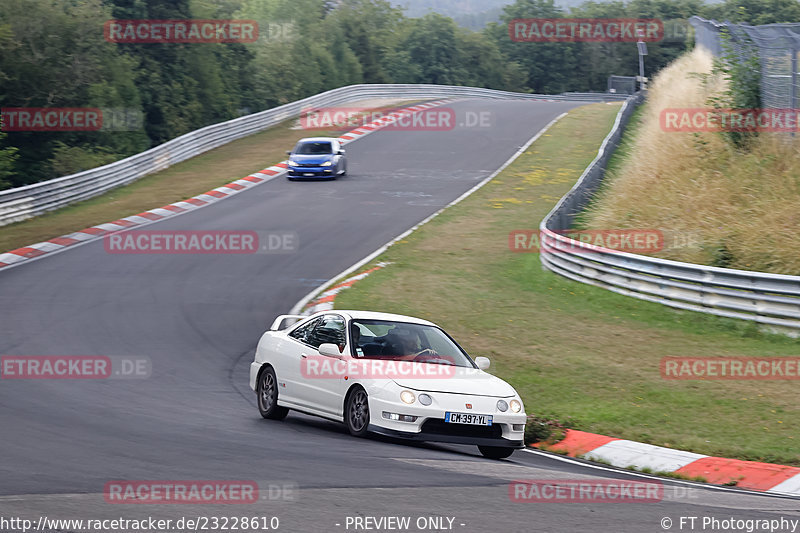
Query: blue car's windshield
point(313, 148)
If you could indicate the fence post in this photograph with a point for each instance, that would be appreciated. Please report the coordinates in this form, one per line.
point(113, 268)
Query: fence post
point(794, 77)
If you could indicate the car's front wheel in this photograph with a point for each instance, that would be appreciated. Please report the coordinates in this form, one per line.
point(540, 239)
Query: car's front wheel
point(495, 452)
point(356, 412)
point(267, 393)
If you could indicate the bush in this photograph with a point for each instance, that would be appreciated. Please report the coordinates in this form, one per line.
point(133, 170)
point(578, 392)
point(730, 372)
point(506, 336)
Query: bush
point(543, 429)
point(71, 159)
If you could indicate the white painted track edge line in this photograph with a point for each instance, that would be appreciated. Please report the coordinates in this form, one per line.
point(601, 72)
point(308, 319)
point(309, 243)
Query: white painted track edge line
point(696, 484)
point(314, 292)
point(792, 481)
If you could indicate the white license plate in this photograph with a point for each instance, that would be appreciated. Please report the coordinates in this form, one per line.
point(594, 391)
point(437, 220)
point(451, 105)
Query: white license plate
point(468, 418)
point(308, 174)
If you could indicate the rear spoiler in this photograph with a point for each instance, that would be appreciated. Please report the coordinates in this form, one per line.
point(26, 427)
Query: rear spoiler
point(278, 323)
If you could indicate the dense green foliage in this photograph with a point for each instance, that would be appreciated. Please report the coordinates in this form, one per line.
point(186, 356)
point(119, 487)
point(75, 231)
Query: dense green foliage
point(740, 66)
point(54, 54)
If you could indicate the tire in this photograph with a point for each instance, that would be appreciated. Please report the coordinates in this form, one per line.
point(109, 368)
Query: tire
point(267, 396)
point(356, 412)
point(495, 452)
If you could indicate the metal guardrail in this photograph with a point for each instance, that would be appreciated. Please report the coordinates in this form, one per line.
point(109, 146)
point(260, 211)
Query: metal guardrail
point(770, 299)
point(31, 200)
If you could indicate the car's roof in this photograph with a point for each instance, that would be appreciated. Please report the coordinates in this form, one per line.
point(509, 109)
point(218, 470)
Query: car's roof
point(374, 315)
point(317, 139)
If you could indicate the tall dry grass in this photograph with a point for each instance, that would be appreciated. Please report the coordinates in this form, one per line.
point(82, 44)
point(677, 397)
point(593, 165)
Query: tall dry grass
point(715, 204)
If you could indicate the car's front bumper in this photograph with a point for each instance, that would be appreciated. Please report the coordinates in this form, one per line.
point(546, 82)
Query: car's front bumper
point(312, 172)
point(507, 429)
point(255, 368)
point(425, 436)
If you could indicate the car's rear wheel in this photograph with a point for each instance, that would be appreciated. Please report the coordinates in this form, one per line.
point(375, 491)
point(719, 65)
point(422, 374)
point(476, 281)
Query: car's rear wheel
point(267, 393)
point(356, 412)
point(495, 452)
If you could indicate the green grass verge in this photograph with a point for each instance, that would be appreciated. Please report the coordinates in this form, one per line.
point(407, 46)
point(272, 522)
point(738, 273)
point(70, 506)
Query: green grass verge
point(576, 353)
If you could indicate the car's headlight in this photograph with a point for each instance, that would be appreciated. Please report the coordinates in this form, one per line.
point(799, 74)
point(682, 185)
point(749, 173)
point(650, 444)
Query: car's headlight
point(407, 396)
point(502, 406)
point(292, 163)
point(516, 406)
point(326, 164)
point(424, 399)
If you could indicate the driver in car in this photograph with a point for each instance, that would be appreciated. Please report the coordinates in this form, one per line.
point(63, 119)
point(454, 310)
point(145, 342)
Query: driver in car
point(410, 345)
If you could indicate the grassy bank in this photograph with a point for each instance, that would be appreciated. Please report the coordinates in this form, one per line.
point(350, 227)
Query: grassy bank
point(577, 353)
point(717, 204)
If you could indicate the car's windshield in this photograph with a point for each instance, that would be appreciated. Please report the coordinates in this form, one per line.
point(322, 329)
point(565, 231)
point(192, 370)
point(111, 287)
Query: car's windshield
point(383, 339)
point(313, 148)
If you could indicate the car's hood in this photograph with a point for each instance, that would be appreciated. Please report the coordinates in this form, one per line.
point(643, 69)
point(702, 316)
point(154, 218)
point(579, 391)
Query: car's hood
point(463, 381)
point(311, 159)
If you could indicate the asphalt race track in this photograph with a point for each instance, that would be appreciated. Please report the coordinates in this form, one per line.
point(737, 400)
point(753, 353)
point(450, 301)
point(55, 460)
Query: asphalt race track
point(198, 318)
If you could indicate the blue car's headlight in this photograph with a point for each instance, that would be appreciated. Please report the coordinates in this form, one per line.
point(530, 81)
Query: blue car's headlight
point(326, 164)
point(292, 163)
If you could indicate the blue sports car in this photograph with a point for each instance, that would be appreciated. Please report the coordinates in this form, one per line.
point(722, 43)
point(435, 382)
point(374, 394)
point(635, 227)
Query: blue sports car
point(317, 157)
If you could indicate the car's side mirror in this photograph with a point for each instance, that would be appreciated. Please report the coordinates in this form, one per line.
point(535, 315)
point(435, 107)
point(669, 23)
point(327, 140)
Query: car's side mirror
point(483, 362)
point(288, 152)
point(340, 152)
point(329, 349)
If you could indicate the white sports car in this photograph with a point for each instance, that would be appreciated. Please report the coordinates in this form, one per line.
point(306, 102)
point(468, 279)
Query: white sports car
point(389, 374)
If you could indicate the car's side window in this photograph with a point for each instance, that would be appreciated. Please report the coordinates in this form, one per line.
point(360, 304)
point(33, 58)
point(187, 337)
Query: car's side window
point(331, 328)
point(304, 332)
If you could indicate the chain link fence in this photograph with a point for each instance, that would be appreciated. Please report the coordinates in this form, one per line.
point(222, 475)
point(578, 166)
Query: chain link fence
point(622, 84)
point(777, 47)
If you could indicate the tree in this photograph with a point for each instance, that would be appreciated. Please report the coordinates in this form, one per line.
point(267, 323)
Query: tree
point(367, 26)
point(54, 55)
point(432, 45)
point(8, 158)
point(755, 12)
